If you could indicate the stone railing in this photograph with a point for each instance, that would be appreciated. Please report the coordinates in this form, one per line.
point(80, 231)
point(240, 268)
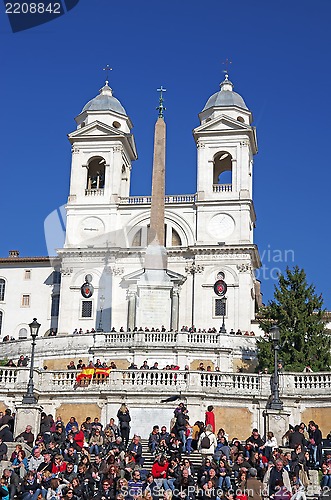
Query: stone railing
point(221, 188)
point(8, 376)
point(94, 192)
point(298, 383)
point(166, 339)
point(176, 198)
point(161, 337)
point(77, 345)
point(292, 385)
point(119, 338)
point(203, 338)
point(232, 381)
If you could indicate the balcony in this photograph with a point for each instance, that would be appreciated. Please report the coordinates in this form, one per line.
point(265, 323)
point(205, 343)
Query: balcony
point(177, 198)
point(222, 188)
point(94, 192)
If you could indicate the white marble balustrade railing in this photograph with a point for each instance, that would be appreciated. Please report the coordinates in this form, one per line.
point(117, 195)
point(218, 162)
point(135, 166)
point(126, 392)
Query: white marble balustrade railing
point(175, 198)
point(203, 338)
point(159, 338)
point(8, 376)
point(291, 384)
point(78, 345)
point(94, 192)
point(162, 337)
point(138, 337)
point(222, 188)
point(245, 382)
point(119, 338)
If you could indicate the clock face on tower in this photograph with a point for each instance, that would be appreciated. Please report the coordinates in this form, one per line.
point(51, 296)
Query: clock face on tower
point(91, 227)
point(221, 226)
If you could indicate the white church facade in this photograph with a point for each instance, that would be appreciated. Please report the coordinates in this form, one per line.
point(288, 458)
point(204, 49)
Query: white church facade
point(208, 234)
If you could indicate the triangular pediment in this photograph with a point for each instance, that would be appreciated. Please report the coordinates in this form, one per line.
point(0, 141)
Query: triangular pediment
point(222, 123)
point(96, 129)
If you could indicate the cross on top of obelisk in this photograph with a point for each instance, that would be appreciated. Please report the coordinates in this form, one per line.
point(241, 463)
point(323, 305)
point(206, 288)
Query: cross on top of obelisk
point(107, 69)
point(227, 63)
point(161, 107)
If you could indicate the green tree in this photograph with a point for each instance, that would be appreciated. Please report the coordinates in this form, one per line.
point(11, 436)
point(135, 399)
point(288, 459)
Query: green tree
point(299, 313)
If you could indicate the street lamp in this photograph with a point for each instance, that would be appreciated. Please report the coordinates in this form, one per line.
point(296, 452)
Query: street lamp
point(29, 397)
point(223, 302)
point(101, 301)
point(276, 403)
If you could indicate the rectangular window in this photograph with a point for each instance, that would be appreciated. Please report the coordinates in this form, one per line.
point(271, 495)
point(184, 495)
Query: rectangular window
point(220, 308)
point(87, 309)
point(25, 300)
point(2, 290)
point(27, 274)
point(55, 305)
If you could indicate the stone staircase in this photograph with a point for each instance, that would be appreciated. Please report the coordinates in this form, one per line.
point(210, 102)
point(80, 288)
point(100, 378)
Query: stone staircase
point(195, 458)
point(5, 464)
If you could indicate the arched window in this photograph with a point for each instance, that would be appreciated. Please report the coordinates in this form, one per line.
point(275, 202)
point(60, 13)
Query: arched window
point(171, 236)
point(96, 174)
point(23, 333)
point(136, 242)
point(2, 289)
point(175, 239)
point(222, 171)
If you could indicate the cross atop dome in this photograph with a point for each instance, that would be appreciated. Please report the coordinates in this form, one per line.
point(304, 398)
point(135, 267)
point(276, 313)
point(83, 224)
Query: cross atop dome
point(161, 107)
point(226, 84)
point(107, 69)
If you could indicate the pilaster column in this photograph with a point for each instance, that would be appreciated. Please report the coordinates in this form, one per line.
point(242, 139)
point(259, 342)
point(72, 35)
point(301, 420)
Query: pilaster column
point(175, 308)
point(131, 309)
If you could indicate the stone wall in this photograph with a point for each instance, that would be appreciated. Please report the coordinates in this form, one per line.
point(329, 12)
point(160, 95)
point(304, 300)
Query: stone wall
point(236, 421)
point(206, 362)
point(322, 417)
point(78, 410)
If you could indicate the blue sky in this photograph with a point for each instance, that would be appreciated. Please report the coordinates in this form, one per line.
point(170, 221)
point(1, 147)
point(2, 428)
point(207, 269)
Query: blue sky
point(280, 53)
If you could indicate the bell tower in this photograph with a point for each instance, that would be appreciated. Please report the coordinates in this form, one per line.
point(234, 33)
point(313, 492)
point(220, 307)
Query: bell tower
point(103, 150)
point(226, 143)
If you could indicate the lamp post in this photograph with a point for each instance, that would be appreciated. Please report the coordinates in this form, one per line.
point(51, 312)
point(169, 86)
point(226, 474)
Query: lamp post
point(276, 403)
point(223, 329)
point(29, 397)
point(101, 301)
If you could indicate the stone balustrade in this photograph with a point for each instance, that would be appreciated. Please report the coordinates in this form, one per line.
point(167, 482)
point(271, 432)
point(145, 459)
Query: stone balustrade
point(173, 339)
point(222, 188)
point(177, 198)
point(104, 342)
point(47, 382)
point(94, 192)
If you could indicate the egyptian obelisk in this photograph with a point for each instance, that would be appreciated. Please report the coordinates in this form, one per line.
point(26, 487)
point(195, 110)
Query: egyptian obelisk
point(154, 288)
point(154, 300)
point(156, 255)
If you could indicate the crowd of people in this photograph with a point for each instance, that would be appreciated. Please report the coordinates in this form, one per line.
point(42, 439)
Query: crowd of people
point(133, 366)
point(75, 461)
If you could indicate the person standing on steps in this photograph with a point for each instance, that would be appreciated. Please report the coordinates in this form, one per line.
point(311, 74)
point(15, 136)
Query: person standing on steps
point(124, 419)
point(210, 417)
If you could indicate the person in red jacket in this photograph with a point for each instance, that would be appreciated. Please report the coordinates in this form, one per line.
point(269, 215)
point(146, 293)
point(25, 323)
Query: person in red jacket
point(210, 417)
point(159, 469)
point(77, 437)
point(59, 464)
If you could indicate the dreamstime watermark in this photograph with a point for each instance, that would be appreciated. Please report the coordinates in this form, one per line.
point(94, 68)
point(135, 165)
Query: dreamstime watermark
point(273, 261)
point(27, 14)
